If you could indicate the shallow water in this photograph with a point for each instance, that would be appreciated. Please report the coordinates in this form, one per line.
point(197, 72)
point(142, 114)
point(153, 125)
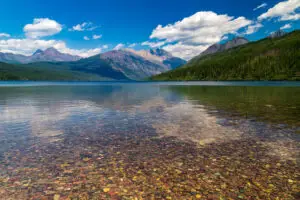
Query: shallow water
point(199, 140)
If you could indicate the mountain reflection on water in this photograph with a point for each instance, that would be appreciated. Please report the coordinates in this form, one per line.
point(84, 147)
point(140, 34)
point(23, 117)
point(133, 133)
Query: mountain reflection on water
point(149, 141)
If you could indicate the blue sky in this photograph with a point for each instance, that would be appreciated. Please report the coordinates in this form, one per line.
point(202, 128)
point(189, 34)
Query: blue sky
point(105, 25)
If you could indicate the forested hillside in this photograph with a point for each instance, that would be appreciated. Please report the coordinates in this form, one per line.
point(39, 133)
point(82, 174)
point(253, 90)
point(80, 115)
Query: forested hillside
point(21, 72)
point(267, 59)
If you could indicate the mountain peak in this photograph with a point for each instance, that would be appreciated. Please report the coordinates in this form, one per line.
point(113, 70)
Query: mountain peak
point(51, 49)
point(237, 41)
point(215, 48)
point(159, 52)
point(37, 52)
point(50, 55)
point(277, 34)
point(238, 38)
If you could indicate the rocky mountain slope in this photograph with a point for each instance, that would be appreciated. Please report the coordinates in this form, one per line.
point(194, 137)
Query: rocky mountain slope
point(160, 56)
point(133, 66)
point(277, 34)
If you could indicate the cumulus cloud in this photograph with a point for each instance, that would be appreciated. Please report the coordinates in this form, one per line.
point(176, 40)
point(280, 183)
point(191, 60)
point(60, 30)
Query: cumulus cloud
point(285, 10)
point(200, 28)
point(197, 32)
point(86, 38)
point(153, 44)
point(287, 26)
point(4, 35)
point(42, 27)
point(85, 26)
point(96, 37)
point(260, 6)
point(253, 28)
point(119, 46)
point(27, 46)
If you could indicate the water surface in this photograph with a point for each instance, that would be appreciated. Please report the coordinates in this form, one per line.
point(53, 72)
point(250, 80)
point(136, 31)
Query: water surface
point(174, 140)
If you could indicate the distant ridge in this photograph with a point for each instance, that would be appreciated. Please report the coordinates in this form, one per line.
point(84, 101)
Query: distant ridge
point(13, 58)
point(48, 55)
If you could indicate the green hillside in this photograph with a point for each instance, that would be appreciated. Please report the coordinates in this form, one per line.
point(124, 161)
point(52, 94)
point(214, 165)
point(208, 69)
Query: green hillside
point(267, 59)
point(35, 73)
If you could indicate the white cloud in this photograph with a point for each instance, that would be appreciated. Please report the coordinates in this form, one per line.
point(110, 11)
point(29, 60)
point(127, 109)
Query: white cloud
point(197, 31)
point(119, 46)
point(42, 27)
point(39, 28)
point(85, 26)
point(4, 35)
point(287, 26)
point(132, 45)
point(285, 10)
point(153, 44)
point(202, 27)
point(225, 37)
point(290, 17)
point(28, 46)
point(253, 28)
point(96, 37)
point(185, 51)
point(105, 46)
point(260, 6)
point(86, 38)
point(83, 52)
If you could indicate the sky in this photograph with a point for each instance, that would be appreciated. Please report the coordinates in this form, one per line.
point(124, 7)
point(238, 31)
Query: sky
point(184, 28)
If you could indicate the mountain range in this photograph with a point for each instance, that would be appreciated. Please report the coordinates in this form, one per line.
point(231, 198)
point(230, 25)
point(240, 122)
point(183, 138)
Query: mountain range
point(125, 64)
point(139, 65)
point(48, 55)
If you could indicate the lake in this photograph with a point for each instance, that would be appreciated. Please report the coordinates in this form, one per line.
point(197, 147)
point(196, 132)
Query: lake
point(161, 140)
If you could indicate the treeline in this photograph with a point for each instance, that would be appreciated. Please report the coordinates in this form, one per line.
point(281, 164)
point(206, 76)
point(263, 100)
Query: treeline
point(22, 72)
point(267, 59)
